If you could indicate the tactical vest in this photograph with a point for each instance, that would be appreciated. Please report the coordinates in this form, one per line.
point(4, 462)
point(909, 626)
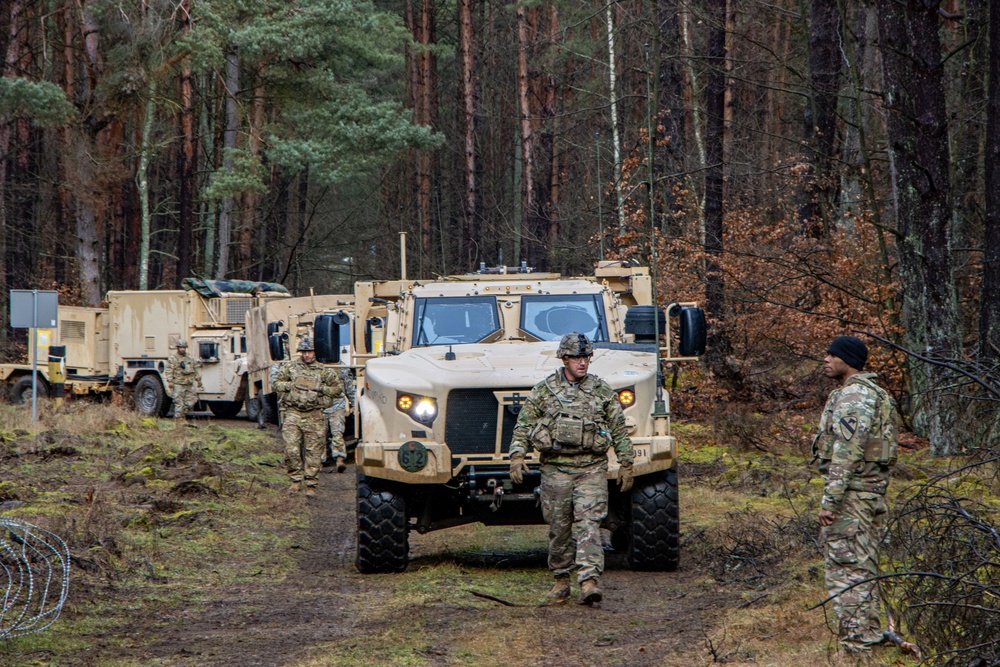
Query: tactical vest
point(306, 389)
point(570, 424)
point(882, 444)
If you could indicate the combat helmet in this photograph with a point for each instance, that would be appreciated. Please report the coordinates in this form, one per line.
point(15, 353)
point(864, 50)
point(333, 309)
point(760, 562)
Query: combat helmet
point(181, 343)
point(305, 344)
point(574, 345)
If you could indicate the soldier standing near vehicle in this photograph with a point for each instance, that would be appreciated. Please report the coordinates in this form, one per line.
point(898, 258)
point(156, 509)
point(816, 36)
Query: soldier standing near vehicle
point(183, 376)
point(856, 445)
point(572, 418)
point(337, 414)
point(304, 390)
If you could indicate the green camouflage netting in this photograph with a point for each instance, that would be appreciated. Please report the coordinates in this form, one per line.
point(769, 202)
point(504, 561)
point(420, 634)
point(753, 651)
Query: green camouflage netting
point(215, 288)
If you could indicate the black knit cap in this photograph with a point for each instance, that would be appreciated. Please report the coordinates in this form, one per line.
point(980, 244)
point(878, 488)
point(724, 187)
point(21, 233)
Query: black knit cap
point(851, 350)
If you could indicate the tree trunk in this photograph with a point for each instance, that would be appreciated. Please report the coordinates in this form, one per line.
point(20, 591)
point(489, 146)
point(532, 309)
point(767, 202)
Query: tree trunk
point(142, 183)
point(228, 145)
point(825, 60)
point(11, 58)
point(527, 143)
point(467, 121)
point(248, 220)
point(919, 166)
point(616, 145)
point(719, 346)
point(989, 314)
point(671, 137)
point(186, 158)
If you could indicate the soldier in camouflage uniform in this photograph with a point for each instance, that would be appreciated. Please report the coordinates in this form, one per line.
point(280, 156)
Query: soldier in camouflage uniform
point(305, 389)
point(183, 375)
point(856, 445)
point(572, 418)
point(337, 415)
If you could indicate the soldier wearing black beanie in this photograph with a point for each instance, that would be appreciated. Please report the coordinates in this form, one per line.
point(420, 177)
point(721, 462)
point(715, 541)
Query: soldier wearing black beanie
point(851, 351)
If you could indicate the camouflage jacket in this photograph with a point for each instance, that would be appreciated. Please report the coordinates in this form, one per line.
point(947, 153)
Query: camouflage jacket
point(857, 439)
point(343, 402)
point(305, 387)
point(572, 425)
point(182, 370)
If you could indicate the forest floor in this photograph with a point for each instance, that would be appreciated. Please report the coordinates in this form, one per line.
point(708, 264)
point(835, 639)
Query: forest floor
point(188, 551)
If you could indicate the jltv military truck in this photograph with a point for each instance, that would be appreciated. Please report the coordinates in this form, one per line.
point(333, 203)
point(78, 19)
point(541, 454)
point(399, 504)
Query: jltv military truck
point(273, 331)
point(458, 357)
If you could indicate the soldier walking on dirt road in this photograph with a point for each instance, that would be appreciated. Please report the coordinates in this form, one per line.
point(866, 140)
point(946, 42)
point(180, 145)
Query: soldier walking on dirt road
point(572, 418)
point(856, 445)
point(337, 415)
point(305, 389)
point(183, 376)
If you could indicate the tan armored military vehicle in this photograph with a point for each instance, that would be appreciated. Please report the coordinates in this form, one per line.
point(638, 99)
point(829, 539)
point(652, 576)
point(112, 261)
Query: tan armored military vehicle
point(273, 331)
point(456, 359)
point(125, 346)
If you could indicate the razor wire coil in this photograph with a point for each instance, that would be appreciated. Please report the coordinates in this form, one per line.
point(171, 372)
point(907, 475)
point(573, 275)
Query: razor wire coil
point(34, 578)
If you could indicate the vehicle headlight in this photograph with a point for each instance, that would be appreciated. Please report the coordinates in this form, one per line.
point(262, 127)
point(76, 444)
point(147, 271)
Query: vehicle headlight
point(420, 408)
point(626, 397)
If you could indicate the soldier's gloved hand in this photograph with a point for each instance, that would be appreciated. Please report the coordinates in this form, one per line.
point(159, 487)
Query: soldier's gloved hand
point(625, 477)
point(517, 468)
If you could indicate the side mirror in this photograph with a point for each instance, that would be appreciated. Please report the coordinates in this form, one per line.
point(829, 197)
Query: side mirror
point(693, 332)
point(326, 337)
point(276, 347)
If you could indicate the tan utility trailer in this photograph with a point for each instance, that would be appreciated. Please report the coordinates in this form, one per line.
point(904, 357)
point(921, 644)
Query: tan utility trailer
point(83, 335)
point(448, 364)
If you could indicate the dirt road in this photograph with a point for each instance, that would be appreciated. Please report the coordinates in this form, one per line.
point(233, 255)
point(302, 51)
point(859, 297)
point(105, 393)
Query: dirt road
point(325, 613)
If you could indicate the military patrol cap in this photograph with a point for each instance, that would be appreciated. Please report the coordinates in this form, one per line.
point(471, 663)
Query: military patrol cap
point(851, 350)
point(182, 343)
point(305, 344)
point(574, 345)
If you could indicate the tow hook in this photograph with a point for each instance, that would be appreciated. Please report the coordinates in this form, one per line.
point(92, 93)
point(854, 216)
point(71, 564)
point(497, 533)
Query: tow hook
point(497, 494)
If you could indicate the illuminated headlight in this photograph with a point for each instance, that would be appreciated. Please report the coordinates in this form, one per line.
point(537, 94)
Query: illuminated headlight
point(420, 408)
point(626, 397)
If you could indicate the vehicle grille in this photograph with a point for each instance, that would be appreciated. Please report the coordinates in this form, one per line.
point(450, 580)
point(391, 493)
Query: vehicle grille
point(472, 421)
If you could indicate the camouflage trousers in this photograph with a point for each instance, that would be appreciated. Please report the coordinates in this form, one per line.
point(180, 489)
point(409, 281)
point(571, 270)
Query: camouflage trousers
point(574, 504)
point(338, 419)
point(184, 397)
point(304, 434)
point(851, 558)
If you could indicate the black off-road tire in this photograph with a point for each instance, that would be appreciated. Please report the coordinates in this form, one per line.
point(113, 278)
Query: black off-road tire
point(150, 397)
point(383, 534)
point(252, 406)
point(653, 542)
point(225, 409)
point(268, 409)
point(20, 393)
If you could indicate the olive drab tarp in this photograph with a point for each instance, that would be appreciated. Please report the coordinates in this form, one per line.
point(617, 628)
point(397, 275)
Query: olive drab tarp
point(216, 288)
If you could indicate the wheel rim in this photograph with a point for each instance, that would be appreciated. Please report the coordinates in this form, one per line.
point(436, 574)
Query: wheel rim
point(147, 400)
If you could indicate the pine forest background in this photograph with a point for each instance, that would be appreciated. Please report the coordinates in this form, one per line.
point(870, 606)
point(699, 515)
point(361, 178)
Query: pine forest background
point(802, 169)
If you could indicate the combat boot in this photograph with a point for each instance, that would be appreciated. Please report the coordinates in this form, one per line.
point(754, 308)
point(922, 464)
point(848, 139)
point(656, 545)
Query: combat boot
point(560, 591)
point(310, 492)
point(341, 465)
point(590, 592)
point(294, 488)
